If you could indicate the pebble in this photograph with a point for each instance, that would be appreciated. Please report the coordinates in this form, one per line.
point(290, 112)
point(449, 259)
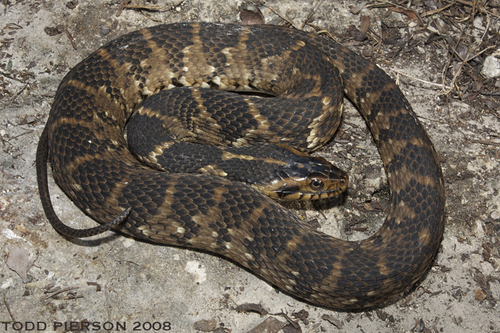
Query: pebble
point(491, 66)
point(105, 30)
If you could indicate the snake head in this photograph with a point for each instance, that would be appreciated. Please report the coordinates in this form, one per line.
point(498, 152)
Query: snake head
point(307, 178)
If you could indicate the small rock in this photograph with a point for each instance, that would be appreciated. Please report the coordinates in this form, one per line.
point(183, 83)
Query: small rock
point(491, 66)
point(72, 4)
point(478, 22)
point(495, 214)
point(205, 325)
point(479, 295)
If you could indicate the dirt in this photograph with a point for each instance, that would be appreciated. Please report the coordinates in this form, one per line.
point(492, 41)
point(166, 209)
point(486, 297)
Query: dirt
point(114, 281)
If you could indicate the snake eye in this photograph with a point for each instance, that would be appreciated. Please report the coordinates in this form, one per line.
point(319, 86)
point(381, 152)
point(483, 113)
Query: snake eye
point(316, 184)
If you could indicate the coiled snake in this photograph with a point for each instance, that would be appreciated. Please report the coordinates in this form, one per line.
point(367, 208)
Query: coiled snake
point(84, 142)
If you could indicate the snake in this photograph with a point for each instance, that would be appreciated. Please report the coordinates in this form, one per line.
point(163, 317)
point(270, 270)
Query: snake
point(84, 142)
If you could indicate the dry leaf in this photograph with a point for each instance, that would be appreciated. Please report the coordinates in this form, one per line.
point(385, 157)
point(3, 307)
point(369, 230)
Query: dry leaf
point(250, 17)
point(17, 260)
point(479, 295)
point(270, 325)
point(411, 15)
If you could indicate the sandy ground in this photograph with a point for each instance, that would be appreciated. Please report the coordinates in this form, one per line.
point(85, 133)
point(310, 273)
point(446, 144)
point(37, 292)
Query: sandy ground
point(47, 280)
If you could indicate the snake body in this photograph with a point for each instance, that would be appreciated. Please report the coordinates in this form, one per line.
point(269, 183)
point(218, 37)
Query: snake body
point(84, 142)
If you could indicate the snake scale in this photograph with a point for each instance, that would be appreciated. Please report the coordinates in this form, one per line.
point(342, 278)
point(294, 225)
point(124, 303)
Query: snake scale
point(84, 142)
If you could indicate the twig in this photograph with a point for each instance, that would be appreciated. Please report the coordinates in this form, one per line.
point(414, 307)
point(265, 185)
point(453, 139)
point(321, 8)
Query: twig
point(121, 7)
point(466, 60)
point(60, 291)
point(10, 76)
point(441, 85)
point(146, 7)
point(24, 133)
point(288, 319)
point(485, 142)
point(480, 52)
point(435, 11)
point(383, 4)
point(148, 16)
point(142, 8)
point(8, 308)
point(490, 93)
point(473, 4)
point(6, 41)
point(59, 30)
point(310, 14)
point(277, 13)
point(18, 93)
